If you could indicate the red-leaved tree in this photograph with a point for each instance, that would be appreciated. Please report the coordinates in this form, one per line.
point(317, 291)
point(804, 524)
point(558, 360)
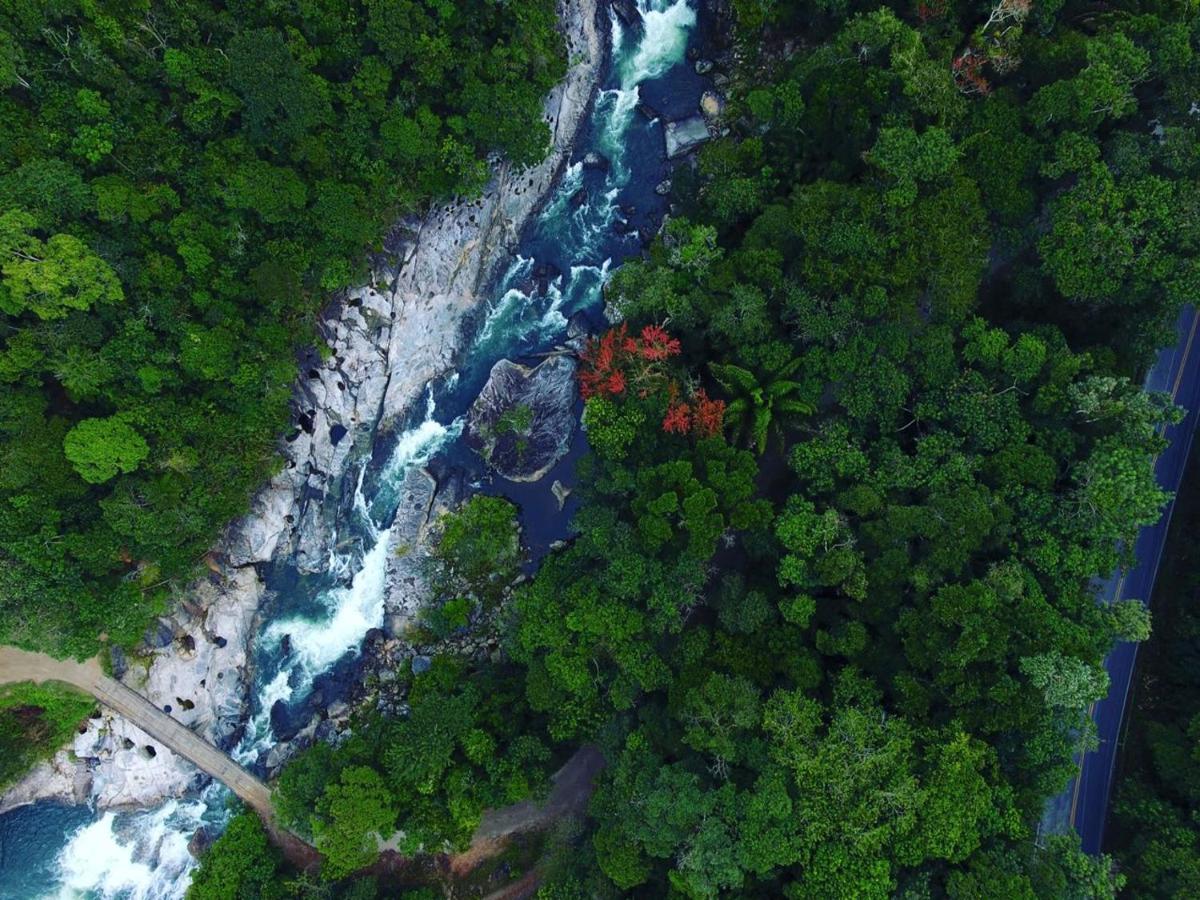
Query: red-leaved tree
point(615, 361)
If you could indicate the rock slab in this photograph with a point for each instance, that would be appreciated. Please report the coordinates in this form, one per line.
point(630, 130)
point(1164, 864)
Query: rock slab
point(685, 135)
point(523, 419)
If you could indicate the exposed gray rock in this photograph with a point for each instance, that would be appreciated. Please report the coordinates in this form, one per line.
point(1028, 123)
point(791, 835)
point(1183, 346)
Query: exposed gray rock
point(629, 14)
point(685, 135)
point(663, 187)
point(577, 332)
point(703, 66)
point(647, 111)
point(577, 326)
point(160, 634)
point(421, 664)
point(561, 492)
point(597, 161)
point(199, 843)
point(55, 780)
point(523, 419)
point(337, 710)
point(408, 551)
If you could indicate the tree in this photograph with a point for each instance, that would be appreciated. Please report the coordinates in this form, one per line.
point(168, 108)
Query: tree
point(50, 278)
point(909, 158)
point(240, 865)
point(100, 449)
point(763, 403)
point(1066, 682)
point(355, 813)
point(1103, 89)
point(479, 549)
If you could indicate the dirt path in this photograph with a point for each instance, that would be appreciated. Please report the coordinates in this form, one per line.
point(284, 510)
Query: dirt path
point(569, 796)
point(21, 665)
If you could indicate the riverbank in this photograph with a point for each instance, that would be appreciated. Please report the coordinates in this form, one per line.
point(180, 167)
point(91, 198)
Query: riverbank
point(386, 341)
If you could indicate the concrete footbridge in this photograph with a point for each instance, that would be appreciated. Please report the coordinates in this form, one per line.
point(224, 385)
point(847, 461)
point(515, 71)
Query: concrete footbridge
point(21, 665)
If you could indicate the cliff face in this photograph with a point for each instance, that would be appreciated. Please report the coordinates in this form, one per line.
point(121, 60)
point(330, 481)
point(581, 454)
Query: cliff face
point(387, 340)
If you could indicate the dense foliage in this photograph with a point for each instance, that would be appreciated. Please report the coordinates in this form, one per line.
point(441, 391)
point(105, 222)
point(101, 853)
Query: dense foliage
point(35, 720)
point(181, 185)
point(242, 865)
point(921, 273)
point(423, 779)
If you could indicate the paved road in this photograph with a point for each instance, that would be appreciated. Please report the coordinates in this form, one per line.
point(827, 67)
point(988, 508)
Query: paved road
point(20, 665)
point(1084, 804)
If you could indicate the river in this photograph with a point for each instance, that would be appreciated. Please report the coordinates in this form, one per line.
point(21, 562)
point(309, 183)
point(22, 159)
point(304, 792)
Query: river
point(49, 850)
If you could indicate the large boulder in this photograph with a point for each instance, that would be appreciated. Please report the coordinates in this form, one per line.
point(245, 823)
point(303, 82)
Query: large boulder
point(523, 419)
point(685, 135)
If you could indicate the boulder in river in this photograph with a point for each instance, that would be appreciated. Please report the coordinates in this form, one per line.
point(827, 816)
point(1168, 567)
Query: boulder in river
point(597, 161)
point(523, 419)
point(712, 105)
point(578, 329)
point(561, 492)
point(203, 838)
point(648, 112)
point(703, 66)
point(685, 135)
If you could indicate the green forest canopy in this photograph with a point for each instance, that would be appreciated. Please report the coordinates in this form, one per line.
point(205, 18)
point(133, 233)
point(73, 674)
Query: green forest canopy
point(842, 646)
point(181, 187)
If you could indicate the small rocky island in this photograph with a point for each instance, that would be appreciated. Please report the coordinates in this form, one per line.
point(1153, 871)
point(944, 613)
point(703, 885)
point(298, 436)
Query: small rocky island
point(522, 421)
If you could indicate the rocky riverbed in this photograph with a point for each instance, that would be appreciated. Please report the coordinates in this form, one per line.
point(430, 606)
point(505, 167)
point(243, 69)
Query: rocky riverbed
point(387, 340)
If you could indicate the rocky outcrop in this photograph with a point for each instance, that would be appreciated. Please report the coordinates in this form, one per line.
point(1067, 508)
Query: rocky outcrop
point(522, 421)
point(712, 105)
point(408, 551)
point(387, 341)
point(198, 674)
point(685, 135)
point(61, 779)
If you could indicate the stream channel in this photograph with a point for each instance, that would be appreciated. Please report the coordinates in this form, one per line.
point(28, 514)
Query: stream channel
point(49, 850)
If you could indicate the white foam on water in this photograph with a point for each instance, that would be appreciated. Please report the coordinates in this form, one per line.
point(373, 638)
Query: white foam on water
point(569, 182)
point(417, 445)
point(663, 42)
point(352, 610)
point(143, 856)
point(361, 506)
point(617, 107)
point(581, 291)
point(258, 737)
